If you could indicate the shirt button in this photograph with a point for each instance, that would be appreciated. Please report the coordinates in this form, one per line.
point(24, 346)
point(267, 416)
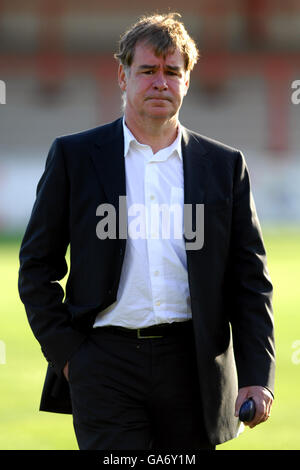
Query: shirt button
point(157, 302)
point(152, 197)
point(156, 273)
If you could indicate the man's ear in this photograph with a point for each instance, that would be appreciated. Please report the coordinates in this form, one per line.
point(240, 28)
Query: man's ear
point(122, 78)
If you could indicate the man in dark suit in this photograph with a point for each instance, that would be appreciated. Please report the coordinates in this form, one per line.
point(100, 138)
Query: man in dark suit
point(159, 340)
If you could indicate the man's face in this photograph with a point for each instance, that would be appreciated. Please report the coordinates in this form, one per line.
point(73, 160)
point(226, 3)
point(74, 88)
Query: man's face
point(155, 86)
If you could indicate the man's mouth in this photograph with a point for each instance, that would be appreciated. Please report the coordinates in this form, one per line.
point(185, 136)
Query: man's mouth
point(158, 98)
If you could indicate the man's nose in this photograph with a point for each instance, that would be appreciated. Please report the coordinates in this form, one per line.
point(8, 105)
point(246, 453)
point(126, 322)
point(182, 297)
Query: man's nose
point(160, 82)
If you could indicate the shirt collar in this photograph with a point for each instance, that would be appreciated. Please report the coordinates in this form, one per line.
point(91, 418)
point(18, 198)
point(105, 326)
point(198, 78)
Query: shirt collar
point(129, 137)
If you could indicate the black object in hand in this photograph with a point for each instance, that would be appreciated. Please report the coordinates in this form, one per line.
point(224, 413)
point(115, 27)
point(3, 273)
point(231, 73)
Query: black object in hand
point(247, 411)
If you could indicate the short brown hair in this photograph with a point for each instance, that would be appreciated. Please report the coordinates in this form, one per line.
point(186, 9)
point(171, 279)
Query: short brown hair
point(164, 33)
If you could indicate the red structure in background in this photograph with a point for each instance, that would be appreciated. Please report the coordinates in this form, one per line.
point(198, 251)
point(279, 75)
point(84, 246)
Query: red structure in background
point(218, 65)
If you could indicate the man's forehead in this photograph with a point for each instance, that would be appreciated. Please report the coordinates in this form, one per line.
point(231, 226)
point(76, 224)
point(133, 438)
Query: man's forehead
point(144, 53)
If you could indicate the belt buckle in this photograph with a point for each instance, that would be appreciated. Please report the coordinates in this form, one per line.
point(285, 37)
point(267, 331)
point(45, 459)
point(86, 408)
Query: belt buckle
point(146, 337)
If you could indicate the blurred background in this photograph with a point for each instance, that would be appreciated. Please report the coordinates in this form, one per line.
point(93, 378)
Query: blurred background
point(59, 76)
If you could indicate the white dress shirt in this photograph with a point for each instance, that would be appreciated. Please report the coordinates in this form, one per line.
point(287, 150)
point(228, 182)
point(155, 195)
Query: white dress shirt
point(153, 286)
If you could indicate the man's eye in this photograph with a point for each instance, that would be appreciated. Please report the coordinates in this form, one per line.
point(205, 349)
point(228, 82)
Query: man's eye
point(174, 74)
point(148, 72)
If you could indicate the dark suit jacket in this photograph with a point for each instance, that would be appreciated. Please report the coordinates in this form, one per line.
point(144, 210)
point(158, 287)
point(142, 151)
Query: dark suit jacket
point(229, 284)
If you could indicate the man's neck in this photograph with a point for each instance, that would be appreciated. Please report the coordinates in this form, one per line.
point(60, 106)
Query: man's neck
point(156, 134)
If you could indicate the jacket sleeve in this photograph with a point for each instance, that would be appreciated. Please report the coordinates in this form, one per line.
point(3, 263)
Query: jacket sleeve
point(250, 289)
point(43, 263)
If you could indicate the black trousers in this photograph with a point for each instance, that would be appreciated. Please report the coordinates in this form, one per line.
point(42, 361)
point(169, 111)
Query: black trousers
point(136, 394)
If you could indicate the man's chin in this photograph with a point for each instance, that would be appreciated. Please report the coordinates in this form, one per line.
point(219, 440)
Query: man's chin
point(160, 113)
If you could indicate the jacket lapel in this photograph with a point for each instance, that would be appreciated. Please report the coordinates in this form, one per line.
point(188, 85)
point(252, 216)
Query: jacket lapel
point(196, 170)
point(108, 159)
